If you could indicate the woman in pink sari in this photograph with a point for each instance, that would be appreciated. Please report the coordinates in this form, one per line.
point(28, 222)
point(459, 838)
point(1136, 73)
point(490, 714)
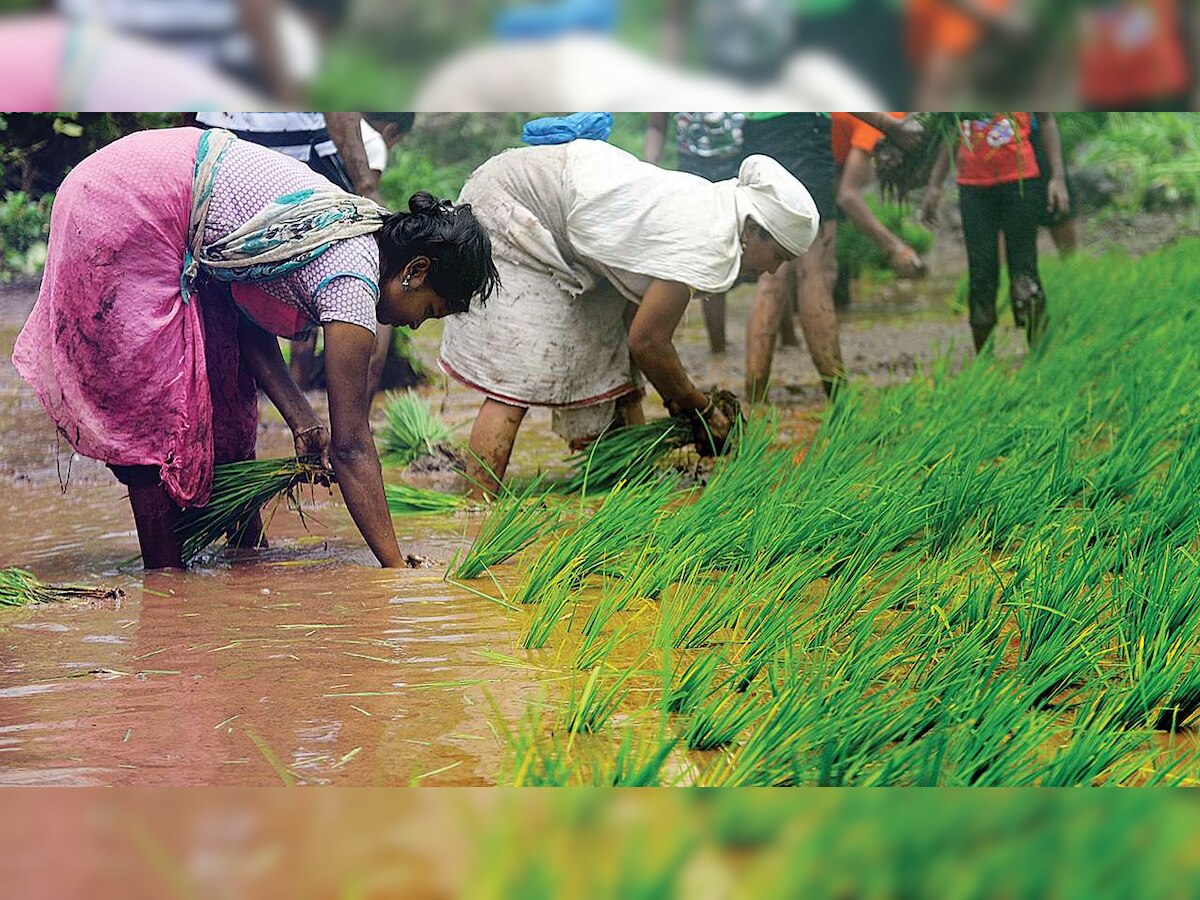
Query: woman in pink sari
point(176, 258)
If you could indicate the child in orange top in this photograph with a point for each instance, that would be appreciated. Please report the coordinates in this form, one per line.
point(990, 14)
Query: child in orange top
point(854, 143)
point(997, 170)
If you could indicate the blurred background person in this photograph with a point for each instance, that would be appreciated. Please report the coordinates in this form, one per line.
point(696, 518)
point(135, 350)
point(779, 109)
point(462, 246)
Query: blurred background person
point(995, 163)
point(708, 144)
point(854, 143)
point(1134, 54)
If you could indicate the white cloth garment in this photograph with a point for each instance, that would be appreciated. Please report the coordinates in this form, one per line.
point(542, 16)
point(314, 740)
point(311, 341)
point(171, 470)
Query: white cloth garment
point(578, 233)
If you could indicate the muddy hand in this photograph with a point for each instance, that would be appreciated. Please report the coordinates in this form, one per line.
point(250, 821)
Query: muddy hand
point(314, 442)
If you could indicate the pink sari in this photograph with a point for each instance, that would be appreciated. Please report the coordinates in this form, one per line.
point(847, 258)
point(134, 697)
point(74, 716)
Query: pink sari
point(131, 374)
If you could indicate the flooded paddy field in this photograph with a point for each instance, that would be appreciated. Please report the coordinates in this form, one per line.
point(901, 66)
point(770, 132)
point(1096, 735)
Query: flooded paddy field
point(305, 664)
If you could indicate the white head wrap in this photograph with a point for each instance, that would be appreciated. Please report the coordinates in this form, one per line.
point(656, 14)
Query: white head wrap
point(776, 200)
point(630, 215)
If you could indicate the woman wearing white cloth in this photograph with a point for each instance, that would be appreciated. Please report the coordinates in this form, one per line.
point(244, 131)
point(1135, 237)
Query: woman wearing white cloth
point(599, 254)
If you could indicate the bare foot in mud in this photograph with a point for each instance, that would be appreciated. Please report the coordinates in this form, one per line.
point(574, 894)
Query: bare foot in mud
point(417, 562)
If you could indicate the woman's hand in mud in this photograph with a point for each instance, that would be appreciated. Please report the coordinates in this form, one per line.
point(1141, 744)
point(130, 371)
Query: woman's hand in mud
point(906, 262)
point(314, 441)
point(712, 432)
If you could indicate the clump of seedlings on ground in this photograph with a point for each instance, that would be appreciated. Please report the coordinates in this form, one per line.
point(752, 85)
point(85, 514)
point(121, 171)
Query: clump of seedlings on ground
point(21, 588)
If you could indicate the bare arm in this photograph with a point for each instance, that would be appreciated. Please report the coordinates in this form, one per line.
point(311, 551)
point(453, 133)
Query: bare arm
point(355, 460)
point(933, 192)
point(1056, 179)
point(856, 175)
point(906, 132)
point(656, 137)
point(346, 130)
point(260, 351)
point(650, 344)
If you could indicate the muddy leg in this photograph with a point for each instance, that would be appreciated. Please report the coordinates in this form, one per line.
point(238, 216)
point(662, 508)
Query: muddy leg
point(714, 322)
point(762, 327)
point(492, 439)
point(818, 319)
point(787, 321)
point(629, 407)
point(155, 515)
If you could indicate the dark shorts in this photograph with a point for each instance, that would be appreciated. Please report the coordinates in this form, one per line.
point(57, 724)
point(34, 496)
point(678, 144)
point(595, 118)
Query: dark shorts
point(712, 168)
point(803, 144)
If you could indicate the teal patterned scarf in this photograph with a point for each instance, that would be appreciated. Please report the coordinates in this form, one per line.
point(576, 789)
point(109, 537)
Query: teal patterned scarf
point(289, 233)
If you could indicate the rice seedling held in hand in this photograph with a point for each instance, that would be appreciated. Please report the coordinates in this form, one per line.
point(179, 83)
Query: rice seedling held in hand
point(404, 500)
point(412, 430)
point(240, 490)
point(20, 588)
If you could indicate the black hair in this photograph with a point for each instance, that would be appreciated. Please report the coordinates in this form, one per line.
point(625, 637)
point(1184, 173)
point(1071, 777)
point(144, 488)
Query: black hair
point(402, 120)
point(458, 247)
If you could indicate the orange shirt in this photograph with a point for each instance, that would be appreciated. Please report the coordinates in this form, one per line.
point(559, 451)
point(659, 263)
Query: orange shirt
point(1131, 53)
point(933, 25)
point(996, 150)
point(851, 132)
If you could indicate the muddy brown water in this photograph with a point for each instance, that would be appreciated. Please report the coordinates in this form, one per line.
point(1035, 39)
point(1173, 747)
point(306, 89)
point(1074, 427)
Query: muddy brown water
point(304, 663)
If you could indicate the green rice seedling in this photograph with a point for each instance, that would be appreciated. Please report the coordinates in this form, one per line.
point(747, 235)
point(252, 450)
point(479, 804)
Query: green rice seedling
point(685, 694)
point(413, 430)
point(404, 500)
point(628, 514)
point(638, 761)
point(239, 490)
point(552, 600)
point(621, 453)
point(514, 521)
point(719, 719)
point(588, 710)
point(1091, 751)
point(20, 588)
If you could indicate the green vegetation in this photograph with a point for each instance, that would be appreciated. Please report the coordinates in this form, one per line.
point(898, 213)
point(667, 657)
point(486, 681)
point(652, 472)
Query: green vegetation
point(20, 588)
point(985, 577)
point(403, 500)
point(1154, 158)
point(24, 228)
point(240, 490)
point(413, 430)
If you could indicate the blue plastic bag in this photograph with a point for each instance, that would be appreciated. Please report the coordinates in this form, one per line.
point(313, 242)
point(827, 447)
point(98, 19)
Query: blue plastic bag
point(593, 126)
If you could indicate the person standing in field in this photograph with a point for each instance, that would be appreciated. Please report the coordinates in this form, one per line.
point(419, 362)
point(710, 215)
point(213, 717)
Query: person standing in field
point(997, 175)
point(803, 144)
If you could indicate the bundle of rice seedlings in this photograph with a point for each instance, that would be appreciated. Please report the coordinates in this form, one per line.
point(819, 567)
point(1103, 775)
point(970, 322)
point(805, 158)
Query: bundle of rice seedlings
point(515, 521)
point(403, 500)
point(621, 452)
point(239, 490)
point(413, 430)
point(20, 588)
